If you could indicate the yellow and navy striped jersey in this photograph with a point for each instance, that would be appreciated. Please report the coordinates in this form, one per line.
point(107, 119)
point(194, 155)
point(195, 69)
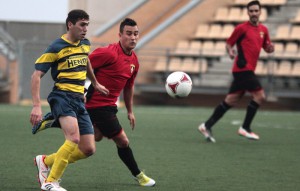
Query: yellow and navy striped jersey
point(68, 63)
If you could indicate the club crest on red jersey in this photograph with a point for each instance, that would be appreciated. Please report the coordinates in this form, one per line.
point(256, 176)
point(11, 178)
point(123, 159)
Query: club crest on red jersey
point(132, 67)
point(261, 33)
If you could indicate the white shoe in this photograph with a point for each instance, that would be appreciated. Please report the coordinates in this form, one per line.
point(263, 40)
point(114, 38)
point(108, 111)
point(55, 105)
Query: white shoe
point(43, 169)
point(249, 135)
point(144, 180)
point(206, 133)
point(52, 186)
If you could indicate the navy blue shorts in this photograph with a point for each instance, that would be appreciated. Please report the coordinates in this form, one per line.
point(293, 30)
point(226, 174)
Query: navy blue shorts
point(244, 81)
point(70, 104)
point(105, 119)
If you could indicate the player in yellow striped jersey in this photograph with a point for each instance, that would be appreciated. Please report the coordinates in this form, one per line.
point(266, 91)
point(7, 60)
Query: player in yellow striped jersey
point(68, 59)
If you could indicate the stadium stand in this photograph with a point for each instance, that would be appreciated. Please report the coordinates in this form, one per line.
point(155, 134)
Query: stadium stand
point(284, 68)
point(295, 33)
point(296, 19)
point(202, 31)
point(195, 41)
point(290, 51)
point(263, 2)
point(8, 69)
point(191, 66)
point(182, 47)
point(261, 68)
point(296, 69)
point(221, 13)
point(227, 30)
point(282, 33)
point(195, 48)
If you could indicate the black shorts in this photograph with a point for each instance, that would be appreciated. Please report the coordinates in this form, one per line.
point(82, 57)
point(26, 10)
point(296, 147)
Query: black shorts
point(244, 81)
point(105, 119)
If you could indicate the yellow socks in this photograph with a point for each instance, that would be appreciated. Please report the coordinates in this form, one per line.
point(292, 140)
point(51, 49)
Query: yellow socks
point(61, 160)
point(77, 155)
point(49, 160)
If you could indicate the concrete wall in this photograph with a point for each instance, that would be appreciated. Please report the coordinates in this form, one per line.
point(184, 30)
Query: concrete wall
point(100, 11)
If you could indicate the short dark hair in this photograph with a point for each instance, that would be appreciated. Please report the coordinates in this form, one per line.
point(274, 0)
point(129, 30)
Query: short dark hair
point(75, 15)
point(127, 21)
point(253, 3)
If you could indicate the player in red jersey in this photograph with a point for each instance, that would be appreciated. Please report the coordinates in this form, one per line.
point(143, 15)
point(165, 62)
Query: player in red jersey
point(115, 67)
point(249, 38)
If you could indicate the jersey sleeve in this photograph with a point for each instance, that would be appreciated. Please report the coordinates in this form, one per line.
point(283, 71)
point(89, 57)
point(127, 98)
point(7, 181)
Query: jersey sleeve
point(43, 63)
point(235, 35)
point(267, 39)
point(100, 57)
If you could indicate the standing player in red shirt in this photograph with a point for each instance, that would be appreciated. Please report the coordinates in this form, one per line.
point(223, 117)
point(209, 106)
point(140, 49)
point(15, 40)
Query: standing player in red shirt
point(249, 37)
point(115, 67)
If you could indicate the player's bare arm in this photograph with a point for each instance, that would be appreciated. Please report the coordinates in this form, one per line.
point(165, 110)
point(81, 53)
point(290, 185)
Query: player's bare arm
point(98, 87)
point(128, 99)
point(36, 113)
point(230, 50)
point(270, 48)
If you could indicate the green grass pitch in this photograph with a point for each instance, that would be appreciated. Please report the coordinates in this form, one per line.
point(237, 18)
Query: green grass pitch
point(167, 145)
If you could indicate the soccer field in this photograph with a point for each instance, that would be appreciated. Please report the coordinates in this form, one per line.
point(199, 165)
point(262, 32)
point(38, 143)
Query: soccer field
point(169, 148)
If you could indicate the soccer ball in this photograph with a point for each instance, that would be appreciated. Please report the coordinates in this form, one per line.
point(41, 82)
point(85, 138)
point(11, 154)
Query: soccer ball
point(178, 85)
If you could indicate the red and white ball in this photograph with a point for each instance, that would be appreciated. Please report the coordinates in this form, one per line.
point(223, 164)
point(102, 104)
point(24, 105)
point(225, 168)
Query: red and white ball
point(178, 84)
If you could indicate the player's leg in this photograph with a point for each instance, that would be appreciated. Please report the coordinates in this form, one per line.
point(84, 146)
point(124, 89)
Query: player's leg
point(98, 134)
point(63, 107)
point(70, 128)
point(229, 101)
point(252, 85)
point(86, 146)
point(106, 124)
point(125, 152)
point(253, 106)
point(126, 155)
point(234, 95)
point(258, 98)
point(206, 127)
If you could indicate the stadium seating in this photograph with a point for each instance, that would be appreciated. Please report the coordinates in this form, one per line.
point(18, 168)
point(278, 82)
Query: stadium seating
point(296, 69)
point(182, 47)
point(290, 51)
point(191, 66)
point(236, 15)
point(195, 48)
point(161, 65)
point(263, 2)
point(214, 31)
point(284, 68)
point(295, 33)
point(282, 32)
point(207, 44)
point(175, 64)
point(221, 13)
point(296, 19)
point(202, 31)
point(261, 68)
point(227, 30)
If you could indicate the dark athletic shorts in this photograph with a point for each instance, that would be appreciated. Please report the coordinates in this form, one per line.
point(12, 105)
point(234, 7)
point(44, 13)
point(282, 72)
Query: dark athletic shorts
point(244, 81)
point(105, 119)
point(70, 104)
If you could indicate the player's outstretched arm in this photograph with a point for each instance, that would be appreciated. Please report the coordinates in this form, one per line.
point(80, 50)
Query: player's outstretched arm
point(128, 99)
point(97, 86)
point(36, 112)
